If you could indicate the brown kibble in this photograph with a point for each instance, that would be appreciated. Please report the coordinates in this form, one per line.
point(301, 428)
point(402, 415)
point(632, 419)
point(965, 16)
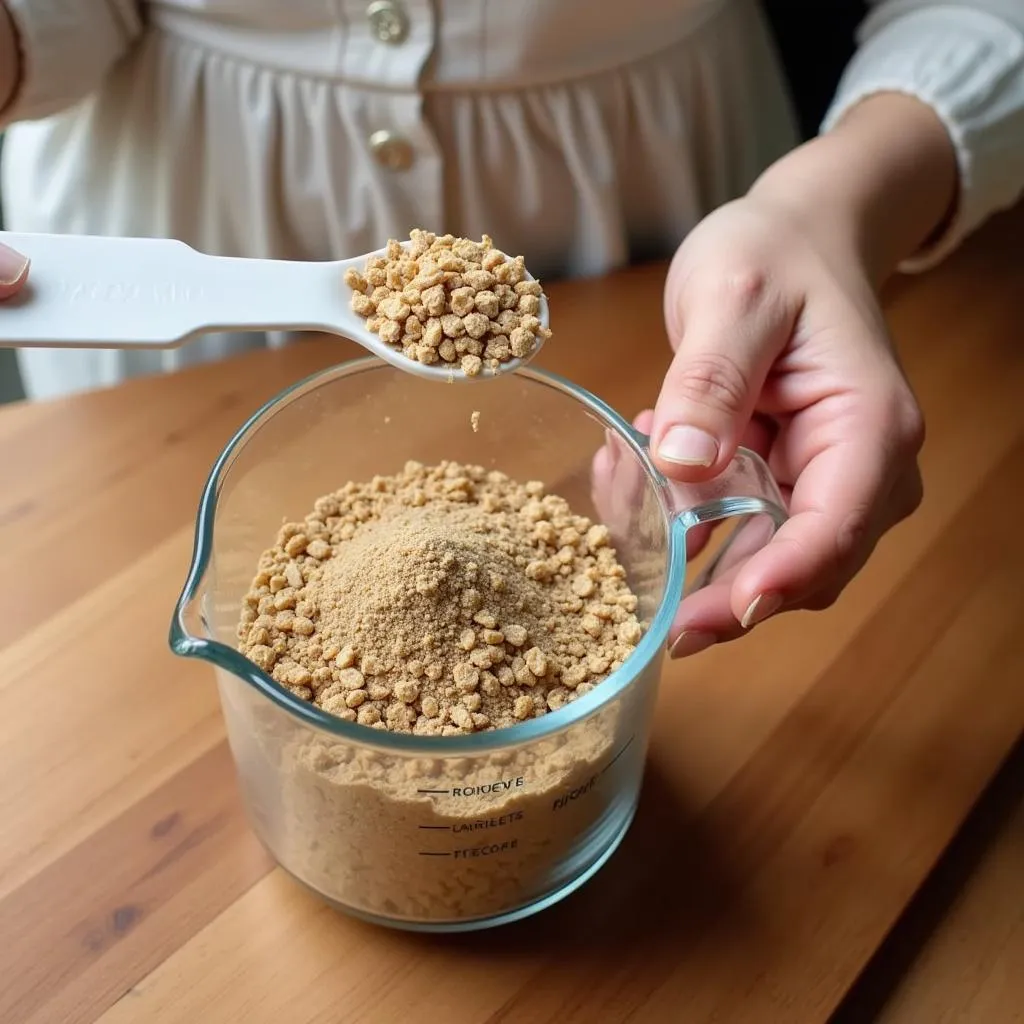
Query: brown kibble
point(629, 632)
point(434, 300)
point(390, 332)
point(299, 676)
point(538, 570)
point(432, 333)
point(263, 656)
point(558, 697)
point(407, 691)
point(523, 676)
point(355, 280)
point(368, 715)
point(447, 350)
point(452, 326)
point(515, 635)
point(476, 291)
point(335, 705)
point(378, 689)
point(536, 661)
point(476, 325)
point(452, 598)
point(575, 674)
point(528, 288)
point(522, 342)
point(362, 305)
point(523, 708)
point(487, 304)
point(462, 718)
point(478, 280)
point(351, 679)
point(466, 677)
point(462, 301)
point(296, 545)
point(472, 365)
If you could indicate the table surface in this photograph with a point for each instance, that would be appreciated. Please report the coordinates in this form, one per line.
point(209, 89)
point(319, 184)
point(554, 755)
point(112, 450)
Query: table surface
point(801, 783)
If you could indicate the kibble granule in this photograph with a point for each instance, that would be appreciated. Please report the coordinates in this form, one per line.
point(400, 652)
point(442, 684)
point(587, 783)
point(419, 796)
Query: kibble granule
point(439, 601)
point(450, 300)
point(442, 601)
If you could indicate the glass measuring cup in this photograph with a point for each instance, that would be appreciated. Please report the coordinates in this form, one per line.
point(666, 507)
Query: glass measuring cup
point(461, 832)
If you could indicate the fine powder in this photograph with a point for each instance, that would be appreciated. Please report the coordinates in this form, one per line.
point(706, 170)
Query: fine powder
point(443, 600)
point(376, 593)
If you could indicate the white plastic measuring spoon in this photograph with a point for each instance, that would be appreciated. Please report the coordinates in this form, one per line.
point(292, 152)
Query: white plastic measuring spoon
point(85, 291)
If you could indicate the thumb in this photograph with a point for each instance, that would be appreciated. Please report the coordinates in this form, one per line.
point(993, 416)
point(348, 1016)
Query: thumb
point(726, 350)
point(13, 270)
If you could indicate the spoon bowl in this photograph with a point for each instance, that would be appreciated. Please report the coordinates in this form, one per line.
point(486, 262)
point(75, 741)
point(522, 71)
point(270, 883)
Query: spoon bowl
point(87, 291)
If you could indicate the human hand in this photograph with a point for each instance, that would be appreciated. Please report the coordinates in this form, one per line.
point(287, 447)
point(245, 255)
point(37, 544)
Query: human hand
point(781, 346)
point(13, 271)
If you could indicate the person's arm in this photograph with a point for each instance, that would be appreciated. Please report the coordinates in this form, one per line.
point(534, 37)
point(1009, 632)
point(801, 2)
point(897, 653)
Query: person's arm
point(884, 181)
point(55, 52)
point(962, 60)
point(771, 302)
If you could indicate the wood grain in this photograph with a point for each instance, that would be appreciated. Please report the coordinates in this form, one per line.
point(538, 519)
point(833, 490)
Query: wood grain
point(801, 783)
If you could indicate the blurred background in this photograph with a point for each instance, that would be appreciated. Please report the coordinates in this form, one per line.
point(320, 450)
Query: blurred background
point(10, 381)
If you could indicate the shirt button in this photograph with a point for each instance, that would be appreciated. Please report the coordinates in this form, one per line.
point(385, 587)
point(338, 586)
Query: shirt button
point(391, 151)
point(388, 21)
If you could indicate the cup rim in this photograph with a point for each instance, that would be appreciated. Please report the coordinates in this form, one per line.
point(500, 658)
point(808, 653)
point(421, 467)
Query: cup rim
point(185, 643)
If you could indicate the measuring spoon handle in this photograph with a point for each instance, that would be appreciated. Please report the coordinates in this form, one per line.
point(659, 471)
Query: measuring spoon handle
point(88, 291)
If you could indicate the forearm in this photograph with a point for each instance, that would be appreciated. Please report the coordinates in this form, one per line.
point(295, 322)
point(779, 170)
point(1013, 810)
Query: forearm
point(10, 58)
point(883, 181)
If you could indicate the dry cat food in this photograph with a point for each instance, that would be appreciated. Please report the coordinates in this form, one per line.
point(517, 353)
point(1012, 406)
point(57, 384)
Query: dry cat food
point(496, 832)
point(444, 600)
point(441, 601)
point(450, 300)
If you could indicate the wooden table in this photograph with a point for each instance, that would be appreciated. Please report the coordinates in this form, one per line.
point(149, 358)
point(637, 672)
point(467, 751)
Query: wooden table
point(801, 784)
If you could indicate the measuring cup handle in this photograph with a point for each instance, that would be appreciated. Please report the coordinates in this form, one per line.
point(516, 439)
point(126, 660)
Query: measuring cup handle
point(745, 489)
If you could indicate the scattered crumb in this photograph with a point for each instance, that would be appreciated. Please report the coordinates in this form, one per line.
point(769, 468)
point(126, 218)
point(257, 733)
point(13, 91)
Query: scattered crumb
point(474, 421)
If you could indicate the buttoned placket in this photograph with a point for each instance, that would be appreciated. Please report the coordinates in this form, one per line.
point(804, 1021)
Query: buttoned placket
point(387, 44)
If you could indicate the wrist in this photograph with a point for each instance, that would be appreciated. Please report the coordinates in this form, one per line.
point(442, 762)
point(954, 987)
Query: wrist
point(882, 183)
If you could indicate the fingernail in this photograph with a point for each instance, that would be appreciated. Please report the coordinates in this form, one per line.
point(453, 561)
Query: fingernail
point(12, 265)
point(691, 641)
point(763, 606)
point(689, 446)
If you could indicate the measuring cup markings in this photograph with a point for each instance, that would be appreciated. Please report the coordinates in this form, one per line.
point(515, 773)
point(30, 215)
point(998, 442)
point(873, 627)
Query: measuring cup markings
point(559, 803)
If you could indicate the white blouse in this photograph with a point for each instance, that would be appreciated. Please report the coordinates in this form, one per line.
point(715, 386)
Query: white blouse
point(315, 129)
